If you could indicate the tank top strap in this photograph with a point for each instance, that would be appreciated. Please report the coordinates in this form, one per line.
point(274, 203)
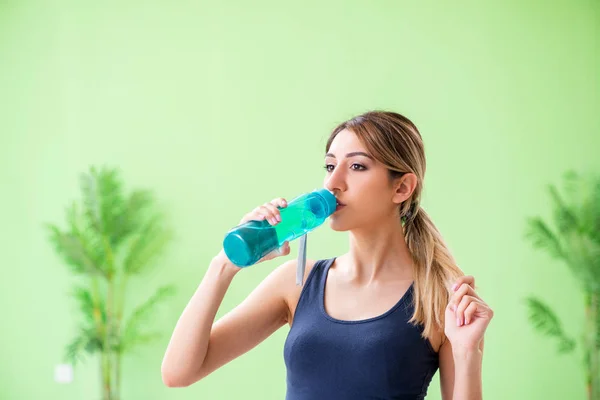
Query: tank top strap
point(310, 294)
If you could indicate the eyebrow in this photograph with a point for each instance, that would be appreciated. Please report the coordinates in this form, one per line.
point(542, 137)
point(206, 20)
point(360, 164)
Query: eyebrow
point(354, 153)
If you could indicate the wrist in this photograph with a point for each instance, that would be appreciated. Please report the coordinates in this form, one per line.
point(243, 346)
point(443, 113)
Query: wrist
point(224, 266)
point(466, 355)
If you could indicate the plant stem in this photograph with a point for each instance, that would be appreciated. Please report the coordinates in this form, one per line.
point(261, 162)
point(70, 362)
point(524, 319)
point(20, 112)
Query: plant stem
point(106, 381)
point(118, 324)
point(117, 360)
point(591, 349)
point(109, 343)
point(594, 361)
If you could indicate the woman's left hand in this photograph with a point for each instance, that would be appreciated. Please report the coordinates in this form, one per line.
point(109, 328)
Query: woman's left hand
point(467, 316)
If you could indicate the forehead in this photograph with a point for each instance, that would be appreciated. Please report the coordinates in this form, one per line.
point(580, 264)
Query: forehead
point(346, 140)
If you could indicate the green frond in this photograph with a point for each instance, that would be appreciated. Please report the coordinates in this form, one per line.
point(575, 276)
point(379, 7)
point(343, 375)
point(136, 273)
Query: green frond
point(138, 339)
point(543, 238)
point(546, 322)
point(566, 345)
point(590, 211)
point(84, 299)
point(91, 200)
point(103, 199)
point(564, 217)
point(86, 342)
point(577, 217)
point(543, 318)
point(90, 239)
point(584, 192)
point(598, 331)
point(582, 258)
point(146, 246)
point(74, 252)
point(143, 314)
point(130, 218)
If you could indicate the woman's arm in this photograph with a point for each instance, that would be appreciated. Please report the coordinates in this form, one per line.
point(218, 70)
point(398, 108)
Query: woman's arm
point(460, 373)
point(466, 319)
point(199, 347)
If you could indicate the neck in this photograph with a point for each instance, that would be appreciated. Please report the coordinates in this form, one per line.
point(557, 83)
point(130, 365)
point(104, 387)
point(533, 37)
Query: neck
point(378, 252)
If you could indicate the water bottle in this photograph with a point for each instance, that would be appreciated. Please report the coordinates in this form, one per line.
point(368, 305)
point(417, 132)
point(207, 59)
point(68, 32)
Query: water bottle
point(247, 243)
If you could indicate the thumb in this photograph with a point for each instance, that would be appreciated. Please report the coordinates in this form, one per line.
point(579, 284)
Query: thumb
point(284, 250)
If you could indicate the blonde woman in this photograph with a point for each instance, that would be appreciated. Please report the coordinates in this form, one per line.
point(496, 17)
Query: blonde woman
point(374, 323)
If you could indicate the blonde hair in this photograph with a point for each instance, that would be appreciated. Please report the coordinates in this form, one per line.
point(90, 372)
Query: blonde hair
point(394, 140)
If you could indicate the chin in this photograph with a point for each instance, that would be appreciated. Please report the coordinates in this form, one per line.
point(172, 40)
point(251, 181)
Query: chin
point(337, 226)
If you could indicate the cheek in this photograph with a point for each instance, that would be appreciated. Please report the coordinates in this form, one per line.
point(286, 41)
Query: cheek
point(375, 203)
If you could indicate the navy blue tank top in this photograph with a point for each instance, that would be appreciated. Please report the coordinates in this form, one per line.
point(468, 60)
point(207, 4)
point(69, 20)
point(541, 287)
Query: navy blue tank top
point(383, 357)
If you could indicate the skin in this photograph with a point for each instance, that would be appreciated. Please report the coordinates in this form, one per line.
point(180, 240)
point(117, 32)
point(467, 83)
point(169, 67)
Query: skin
point(375, 269)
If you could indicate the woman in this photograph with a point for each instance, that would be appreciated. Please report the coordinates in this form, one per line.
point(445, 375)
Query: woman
point(374, 323)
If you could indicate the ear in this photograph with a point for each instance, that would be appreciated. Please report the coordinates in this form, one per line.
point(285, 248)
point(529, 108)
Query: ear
point(404, 187)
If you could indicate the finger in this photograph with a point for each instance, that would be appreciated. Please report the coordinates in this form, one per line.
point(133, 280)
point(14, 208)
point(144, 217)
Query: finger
point(284, 250)
point(273, 215)
point(463, 290)
point(470, 312)
point(468, 279)
point(280, 202)
point(263, 212)
point(465, 302)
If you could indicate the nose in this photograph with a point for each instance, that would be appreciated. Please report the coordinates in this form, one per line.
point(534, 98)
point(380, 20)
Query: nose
point(336, 181)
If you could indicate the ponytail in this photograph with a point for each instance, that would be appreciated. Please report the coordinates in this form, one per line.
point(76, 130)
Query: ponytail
point(435, 270)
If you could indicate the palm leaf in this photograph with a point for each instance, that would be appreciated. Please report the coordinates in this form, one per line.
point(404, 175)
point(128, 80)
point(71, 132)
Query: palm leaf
point(543, 237)
point(87, 341)
point(582, 258)
point(546, 322)
point(590, 210)
point(146, 246)
point(74, 251)
point(130, 217)
point(593, 209)
point(84, 298)
point(91, 240)
point(103, 197)
point(141, 315)
point(566, 345)
point(564, 217)
point(134, 340)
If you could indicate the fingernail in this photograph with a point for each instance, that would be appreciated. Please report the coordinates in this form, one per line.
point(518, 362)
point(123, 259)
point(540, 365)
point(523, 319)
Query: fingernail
point(454, 307)
point(457, 321)
point(454, 287)
point(278, 217)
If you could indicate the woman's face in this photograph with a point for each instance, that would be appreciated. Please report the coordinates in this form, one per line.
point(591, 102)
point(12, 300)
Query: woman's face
point(360, 183)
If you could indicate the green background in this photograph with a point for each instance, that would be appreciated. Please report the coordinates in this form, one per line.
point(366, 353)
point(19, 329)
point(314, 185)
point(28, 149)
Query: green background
point(219, 107)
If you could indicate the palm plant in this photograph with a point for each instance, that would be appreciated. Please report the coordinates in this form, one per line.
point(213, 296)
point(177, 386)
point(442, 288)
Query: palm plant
point(575, 241)
point(109, 238)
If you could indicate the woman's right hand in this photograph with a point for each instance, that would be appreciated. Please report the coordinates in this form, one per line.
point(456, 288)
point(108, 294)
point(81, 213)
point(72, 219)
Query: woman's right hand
point(269, 212)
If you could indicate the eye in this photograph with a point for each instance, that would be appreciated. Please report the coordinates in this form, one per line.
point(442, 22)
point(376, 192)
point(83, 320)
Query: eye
point(359, 167)
point(327, 167)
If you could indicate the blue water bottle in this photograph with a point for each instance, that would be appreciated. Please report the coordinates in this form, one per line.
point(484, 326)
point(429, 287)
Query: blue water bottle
point(247, 243)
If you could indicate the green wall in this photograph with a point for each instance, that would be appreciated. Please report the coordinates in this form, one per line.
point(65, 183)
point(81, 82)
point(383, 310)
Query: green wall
point(219, 107)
